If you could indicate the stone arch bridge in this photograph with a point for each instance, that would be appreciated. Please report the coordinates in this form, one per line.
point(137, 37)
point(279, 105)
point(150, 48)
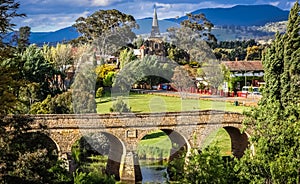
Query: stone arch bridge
point(124, 131)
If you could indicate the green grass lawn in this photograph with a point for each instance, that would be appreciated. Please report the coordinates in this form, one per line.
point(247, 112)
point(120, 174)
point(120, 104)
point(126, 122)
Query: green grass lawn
point(156, 103)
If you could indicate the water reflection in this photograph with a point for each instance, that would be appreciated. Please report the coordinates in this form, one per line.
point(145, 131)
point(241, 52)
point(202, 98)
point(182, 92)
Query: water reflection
point(153, 172)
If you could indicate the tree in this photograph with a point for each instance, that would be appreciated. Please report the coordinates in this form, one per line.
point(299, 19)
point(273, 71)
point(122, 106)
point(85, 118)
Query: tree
point(205, 166)
point(125, 57)
point(23, 39)
point(120, 106)
point(290, 77)
point(35, 68)
point(275, 123)
point(103, 21)
point(200, 24)
point(8, 10)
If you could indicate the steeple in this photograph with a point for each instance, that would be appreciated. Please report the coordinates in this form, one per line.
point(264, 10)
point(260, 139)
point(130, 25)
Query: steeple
point(155, 28)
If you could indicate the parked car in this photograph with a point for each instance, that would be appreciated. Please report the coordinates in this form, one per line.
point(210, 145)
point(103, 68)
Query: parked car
point(254, 91)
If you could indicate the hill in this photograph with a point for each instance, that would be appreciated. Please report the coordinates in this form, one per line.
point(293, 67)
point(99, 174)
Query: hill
point(145, 25)
point(238, 22)
point(242, 15)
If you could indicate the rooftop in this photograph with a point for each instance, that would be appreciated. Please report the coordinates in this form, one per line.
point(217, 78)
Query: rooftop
point(244, 66)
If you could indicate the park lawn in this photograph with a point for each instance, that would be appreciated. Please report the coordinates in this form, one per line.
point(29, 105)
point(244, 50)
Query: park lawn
point(155, 103)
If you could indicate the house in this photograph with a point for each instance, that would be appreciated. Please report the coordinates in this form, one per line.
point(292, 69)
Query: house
point(244, 73)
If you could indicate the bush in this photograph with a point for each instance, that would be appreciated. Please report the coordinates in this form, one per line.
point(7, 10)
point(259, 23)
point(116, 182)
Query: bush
point(99, 92)
point(120, 106)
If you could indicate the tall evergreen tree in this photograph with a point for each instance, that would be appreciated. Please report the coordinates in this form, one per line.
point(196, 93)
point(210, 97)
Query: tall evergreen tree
point(275, 123)
point(291, 76)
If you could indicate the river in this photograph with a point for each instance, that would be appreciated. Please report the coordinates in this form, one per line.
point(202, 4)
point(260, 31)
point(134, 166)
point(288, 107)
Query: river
point(153, 172)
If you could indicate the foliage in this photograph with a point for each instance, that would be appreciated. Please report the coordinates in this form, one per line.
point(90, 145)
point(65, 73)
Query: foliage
point(181, 79)
point(151, 70)
point(99, 92)
point(92, 177)
point(176, 54)
point(9, 86)
point(108, 80)
point(23, 39)
point(61, 57)
point(275, 124)
point(59, 104)
point(89, 154)
point(95, 25)
point(200, 24)
point(8, 9)
point(254, 53)
point(240, 50)
point(120, 106)
point(104, 73)
point(206, 166)
point(125, 57)
point(83, 88)
point(36, 69)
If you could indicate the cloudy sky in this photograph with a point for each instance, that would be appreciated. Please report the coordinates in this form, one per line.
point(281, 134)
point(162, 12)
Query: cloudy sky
point(51, 15)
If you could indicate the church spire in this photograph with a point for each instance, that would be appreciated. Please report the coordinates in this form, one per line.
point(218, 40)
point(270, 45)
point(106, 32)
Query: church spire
point(155, 28)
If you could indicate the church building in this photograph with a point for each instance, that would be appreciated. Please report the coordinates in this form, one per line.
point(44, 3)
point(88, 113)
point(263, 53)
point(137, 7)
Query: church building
point(154, 45)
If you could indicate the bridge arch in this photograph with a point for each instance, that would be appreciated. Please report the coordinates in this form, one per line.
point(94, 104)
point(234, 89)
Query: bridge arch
point(178, 140)
point(31, 141)
point(239, 141)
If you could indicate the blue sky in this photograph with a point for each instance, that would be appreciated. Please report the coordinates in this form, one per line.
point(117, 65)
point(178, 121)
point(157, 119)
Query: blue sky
point(51, 15)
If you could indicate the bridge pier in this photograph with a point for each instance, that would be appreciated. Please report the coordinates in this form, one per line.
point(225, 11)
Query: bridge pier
point(130, 170)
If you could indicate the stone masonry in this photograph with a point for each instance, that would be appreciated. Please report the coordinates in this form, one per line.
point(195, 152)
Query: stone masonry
point(124, 131)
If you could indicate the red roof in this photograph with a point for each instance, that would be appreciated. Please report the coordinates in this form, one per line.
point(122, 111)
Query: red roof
point(235, 66)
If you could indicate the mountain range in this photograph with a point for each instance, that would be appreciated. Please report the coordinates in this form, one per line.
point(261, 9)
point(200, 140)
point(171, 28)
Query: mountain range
point(240, 15)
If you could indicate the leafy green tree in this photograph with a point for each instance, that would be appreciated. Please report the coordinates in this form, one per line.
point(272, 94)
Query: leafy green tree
point(125, 57)
point(108, 80)
point(200, 24)
point(35, 68)
point(275, 123)
point(205, 166)
point(93, 26)
point(59, 104)
point(99, 92)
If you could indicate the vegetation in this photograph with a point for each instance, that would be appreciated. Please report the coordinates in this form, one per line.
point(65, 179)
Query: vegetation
point(205, 166)
point(95, 25)
point(275, 123)
point(120, 106)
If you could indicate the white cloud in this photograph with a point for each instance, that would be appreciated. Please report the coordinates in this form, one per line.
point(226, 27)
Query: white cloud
point(103, 2)
point(44, 22)
point(289, 5)
point(274, 3)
